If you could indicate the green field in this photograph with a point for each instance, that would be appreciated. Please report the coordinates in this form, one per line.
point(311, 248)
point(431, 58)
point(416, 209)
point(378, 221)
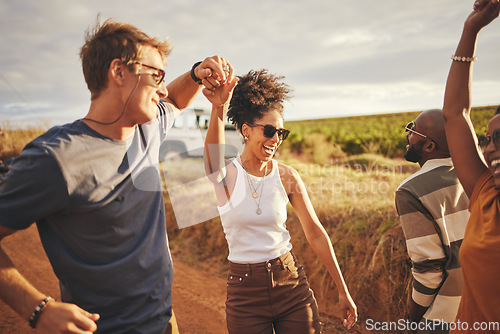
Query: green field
point(319, 140)
point(380, 134)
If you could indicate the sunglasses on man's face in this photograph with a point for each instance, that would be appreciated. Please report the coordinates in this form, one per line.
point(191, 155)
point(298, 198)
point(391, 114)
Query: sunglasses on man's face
point(409, 128)
point(157, 77)
point(270, 131)
point(484, 141)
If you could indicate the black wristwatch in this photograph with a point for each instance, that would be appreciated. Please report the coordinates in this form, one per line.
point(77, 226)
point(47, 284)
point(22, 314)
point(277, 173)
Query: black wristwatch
point(193, 76)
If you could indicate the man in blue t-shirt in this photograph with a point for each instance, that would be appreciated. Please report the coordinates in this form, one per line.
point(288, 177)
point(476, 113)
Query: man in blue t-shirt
point(93, 188)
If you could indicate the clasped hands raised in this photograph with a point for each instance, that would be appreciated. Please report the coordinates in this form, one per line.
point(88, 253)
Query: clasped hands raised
point(217, 75)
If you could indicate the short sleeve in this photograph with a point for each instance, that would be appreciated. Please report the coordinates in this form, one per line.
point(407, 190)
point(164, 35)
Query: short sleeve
point(166, 117)
point(33, 189)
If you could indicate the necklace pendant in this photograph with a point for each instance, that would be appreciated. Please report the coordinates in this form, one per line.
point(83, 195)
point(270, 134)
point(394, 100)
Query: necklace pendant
point(259, 211)
point(255, 195)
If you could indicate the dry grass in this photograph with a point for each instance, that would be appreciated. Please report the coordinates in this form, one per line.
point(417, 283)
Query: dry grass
point(354, 199)
point(12, 140)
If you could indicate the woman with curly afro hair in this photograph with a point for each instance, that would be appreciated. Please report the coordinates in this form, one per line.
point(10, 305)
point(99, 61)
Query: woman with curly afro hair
point(267, 288)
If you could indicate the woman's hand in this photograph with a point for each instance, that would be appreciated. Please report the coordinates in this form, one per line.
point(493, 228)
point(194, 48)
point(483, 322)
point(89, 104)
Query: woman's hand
point(221, 94)
point(213, 71)
point(484, 12)
point(349, 310)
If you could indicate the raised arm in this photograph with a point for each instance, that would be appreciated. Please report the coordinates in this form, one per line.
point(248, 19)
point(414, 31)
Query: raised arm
point(183, 89)
point(214, 141)
point(460, 133)
point(319, 241)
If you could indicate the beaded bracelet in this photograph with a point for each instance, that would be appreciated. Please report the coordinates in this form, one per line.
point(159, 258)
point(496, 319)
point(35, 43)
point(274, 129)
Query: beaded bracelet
point(464, 59)
point(38, 310)
point(193, 76)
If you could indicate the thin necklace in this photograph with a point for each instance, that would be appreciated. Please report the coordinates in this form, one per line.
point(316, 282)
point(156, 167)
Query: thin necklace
point(255, 194)
point(123, 110)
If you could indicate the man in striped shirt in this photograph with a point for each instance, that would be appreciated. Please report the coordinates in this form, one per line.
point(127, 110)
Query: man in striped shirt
point(432, 207)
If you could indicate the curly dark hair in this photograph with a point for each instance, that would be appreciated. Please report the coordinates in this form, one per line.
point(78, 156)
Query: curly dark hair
point(257, 93)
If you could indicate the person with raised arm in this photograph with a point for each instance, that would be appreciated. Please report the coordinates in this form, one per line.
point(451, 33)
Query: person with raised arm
point(93, 188)
point(478, 169)
point(267, 288)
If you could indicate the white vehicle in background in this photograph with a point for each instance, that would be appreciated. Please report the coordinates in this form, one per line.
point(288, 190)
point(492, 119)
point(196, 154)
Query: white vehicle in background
point(186, 138)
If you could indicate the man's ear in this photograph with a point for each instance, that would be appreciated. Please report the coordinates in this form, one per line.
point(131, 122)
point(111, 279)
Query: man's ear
point(430, 146)
point(116, 71)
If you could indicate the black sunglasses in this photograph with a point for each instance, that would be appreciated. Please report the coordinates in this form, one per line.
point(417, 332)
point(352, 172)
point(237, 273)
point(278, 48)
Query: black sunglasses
point(409, 128)
point(484, 141)
point(157, 77)
point(270, 131)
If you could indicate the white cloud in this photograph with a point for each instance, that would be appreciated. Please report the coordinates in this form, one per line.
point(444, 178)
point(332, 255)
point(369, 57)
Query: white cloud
point(341, 58)
point(354, 37)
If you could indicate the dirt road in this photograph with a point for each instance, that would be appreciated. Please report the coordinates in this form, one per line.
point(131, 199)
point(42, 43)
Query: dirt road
point(198, 296)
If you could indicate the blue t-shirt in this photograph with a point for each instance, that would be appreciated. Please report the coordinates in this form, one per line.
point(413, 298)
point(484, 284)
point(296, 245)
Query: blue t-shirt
point(100, 214)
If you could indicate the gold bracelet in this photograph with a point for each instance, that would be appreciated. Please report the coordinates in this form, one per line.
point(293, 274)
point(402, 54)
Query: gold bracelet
point(464, 59)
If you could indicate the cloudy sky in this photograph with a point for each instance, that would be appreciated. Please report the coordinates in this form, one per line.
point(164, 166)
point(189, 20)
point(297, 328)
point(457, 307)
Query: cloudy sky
point(342, 58)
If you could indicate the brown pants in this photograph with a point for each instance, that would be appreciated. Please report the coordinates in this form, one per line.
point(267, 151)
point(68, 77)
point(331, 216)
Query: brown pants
point(271, 295)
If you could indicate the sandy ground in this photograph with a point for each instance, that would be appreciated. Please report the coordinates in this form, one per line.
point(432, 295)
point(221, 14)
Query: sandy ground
point(198, 296)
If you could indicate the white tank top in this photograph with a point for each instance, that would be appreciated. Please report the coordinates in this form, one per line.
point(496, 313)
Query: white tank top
point(254, 238)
